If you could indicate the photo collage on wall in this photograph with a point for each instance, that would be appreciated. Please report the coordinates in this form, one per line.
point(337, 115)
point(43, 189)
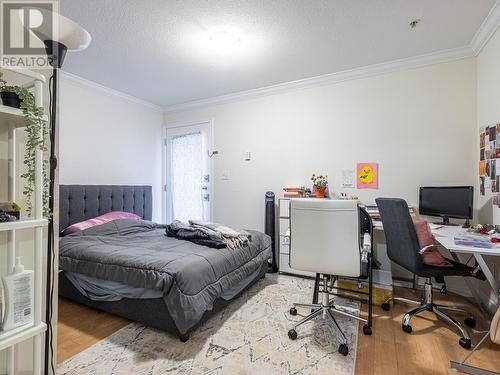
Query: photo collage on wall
point(489, 162)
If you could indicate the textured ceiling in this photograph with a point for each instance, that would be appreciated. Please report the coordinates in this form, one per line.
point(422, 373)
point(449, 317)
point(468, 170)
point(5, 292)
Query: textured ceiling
point(159, 50)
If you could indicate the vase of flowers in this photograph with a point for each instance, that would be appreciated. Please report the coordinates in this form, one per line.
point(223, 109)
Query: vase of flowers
point(320, 184)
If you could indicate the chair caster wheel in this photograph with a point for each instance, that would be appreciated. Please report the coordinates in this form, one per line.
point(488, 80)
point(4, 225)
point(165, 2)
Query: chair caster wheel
point(470, 322)
point(343, 349)
point(293, 311)
point(184, 337)
point(292, 334)
point(367, 330)
point(407, 328)
point(386, 306)
point(465, 343)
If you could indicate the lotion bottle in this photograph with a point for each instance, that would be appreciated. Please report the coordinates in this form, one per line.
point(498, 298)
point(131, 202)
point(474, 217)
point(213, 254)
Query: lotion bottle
point(19, 297)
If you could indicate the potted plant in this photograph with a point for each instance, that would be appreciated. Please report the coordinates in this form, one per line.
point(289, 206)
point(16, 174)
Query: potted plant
point(9, 95)
point(320, 184)
point(37, 133)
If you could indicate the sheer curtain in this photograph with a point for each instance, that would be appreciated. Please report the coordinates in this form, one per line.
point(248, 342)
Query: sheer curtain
point(186, 177)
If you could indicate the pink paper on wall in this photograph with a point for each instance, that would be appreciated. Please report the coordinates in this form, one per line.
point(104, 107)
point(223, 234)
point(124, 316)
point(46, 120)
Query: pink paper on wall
point(367, 175)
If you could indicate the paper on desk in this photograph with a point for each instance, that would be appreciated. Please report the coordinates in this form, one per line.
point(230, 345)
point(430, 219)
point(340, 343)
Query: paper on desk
point(474, 240)
point(435, 226)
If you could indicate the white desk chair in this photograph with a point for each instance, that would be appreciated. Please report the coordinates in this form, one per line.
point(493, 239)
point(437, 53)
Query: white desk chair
point(325, 238)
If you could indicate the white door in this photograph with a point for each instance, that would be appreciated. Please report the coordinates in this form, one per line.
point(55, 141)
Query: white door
point(188, 172)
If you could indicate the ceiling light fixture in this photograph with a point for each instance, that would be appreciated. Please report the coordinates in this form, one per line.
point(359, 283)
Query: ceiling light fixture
point(224, 41)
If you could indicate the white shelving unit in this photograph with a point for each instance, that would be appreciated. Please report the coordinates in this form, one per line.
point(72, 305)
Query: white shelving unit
point(13, 119)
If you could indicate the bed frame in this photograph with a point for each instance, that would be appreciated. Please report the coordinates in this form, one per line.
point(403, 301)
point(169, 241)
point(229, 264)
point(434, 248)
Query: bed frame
point(82, 202)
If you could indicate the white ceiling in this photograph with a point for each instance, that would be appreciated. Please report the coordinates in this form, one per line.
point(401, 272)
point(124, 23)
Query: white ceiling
point(158, 50)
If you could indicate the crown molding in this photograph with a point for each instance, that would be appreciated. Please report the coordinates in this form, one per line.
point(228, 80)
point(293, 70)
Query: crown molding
point(328, 79)
point(487, 29)
point(107, 90)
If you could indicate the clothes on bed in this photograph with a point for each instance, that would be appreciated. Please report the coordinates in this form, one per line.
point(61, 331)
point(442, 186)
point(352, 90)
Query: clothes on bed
point(199, 236)
point(138, 254)
point(231, 237)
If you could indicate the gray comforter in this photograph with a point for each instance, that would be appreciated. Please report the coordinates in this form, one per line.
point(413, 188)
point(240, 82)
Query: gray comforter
point(138, 253)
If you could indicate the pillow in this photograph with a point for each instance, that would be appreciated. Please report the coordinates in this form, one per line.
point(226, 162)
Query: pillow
point(431, 257)
point(110, 216)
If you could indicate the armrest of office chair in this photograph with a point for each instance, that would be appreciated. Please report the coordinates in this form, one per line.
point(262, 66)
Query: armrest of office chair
point(426, 248)
point(366, 247)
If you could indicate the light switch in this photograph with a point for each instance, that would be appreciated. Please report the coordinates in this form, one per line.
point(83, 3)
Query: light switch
point(248, 156)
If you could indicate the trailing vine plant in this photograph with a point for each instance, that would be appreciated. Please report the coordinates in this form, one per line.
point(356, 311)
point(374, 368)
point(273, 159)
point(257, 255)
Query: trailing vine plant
point(37, 132)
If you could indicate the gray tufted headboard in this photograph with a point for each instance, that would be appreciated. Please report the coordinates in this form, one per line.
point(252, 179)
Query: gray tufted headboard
point(82, 202)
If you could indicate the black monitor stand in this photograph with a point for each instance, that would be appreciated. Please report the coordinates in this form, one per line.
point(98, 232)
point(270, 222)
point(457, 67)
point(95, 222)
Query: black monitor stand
point(446, 221)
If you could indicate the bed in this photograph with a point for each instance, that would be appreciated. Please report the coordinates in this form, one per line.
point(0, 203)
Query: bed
point(175, 285)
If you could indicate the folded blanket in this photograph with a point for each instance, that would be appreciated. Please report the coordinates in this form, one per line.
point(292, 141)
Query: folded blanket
point(199, 236)
point(233, 238)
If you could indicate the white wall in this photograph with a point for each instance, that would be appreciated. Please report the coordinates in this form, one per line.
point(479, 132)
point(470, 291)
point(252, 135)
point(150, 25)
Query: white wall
point(418, 124)
point(488, 113)
point(106, 138)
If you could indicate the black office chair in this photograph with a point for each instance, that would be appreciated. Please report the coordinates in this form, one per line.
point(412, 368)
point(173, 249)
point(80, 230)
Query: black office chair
point(403, 249)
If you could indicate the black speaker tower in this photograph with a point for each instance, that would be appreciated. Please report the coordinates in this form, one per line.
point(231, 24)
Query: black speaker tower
point(270, 226)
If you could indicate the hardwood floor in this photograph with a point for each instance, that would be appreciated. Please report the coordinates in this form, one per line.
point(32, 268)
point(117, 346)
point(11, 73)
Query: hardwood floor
point(428, 350)
point(80, 327)
point(430, 347)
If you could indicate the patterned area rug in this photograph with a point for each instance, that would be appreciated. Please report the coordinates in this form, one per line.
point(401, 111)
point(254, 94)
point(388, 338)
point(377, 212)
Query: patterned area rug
point(247, 337)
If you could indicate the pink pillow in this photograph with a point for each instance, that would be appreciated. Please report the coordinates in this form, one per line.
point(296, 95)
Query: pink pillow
point(431, 257)
point(110, 216)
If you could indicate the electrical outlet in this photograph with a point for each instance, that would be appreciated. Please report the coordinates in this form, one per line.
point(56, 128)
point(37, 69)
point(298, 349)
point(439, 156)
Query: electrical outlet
point(285, 240)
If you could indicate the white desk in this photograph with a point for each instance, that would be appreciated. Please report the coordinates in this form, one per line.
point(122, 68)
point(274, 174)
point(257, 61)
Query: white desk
point(445, 235)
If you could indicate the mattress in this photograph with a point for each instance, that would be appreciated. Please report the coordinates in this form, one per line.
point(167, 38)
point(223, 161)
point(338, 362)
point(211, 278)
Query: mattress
point(137, 254)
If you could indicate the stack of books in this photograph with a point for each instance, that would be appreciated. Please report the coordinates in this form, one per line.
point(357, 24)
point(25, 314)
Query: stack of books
point(293, 192)
point(372, 210)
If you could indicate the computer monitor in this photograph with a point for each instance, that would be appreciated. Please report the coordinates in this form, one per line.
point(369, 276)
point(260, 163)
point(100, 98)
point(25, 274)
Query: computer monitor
point(447, 202)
